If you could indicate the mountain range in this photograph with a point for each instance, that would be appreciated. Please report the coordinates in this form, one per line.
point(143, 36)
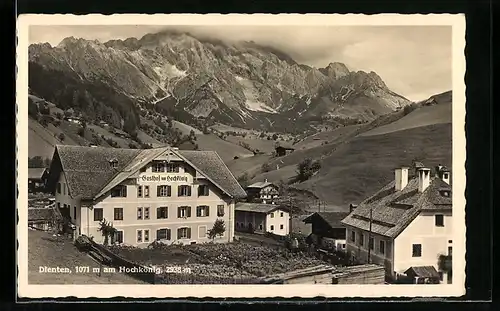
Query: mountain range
point(241, 84)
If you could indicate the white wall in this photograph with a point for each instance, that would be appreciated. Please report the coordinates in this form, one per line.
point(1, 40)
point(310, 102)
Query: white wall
point(281, 217)
point(64, 198)
point(434, 241)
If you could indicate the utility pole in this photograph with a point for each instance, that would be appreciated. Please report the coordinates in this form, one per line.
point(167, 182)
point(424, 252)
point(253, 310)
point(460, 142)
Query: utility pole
point(370, 236)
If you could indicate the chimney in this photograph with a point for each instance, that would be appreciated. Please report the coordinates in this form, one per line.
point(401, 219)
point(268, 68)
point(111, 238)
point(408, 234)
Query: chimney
point(352, 207)
point(265, 180)
point(424, 177)
point(401, 177)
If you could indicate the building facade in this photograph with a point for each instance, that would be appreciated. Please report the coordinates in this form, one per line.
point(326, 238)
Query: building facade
point(160, 194)
point(411, 225)
point(262, 218)
point(262, 192)
point(327, 229)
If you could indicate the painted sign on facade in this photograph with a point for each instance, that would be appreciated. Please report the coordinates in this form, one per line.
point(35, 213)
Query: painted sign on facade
point(161, 178)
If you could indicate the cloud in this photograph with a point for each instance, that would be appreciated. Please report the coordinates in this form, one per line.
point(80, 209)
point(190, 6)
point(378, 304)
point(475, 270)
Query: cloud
point(414, 61)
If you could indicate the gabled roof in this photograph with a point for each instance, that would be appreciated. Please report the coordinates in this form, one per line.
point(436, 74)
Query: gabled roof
point(423, 272)
point(36, 173)
point(261, 184)
point(90, 175)
point(334, 219)
point(393, 211)
point(258, 207)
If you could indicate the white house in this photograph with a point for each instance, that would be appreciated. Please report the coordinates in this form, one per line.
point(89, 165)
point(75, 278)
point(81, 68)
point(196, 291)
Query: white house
point(261, 218)
point(163, 194)
point(411, 226)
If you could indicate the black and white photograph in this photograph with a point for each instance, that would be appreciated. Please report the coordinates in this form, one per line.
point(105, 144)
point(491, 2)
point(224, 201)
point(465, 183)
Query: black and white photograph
point(310, 153)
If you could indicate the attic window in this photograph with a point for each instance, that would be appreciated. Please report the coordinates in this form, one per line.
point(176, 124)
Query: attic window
point(113, 163)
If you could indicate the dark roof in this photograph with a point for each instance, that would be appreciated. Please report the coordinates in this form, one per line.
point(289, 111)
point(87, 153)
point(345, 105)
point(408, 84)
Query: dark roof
point(258, 207)
point(36, 173)
point(334, 219)
point(90, 178)
point(393, 211)
point(40, 213)
point(423, 271)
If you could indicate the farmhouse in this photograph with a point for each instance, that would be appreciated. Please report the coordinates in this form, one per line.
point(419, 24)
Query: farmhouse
point(406, 226)
point(327, 227)
point(164, 194)
point(261, 218)
point(264, 192)
point(283, 150)
point(36, 179)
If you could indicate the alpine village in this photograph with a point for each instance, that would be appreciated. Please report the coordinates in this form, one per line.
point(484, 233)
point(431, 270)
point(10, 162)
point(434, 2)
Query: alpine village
point(203, 166)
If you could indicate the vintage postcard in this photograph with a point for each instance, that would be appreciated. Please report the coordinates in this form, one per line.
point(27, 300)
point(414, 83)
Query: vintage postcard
point(241, 156)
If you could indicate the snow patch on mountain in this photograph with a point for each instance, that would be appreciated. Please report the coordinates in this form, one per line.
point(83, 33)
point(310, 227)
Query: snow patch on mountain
point(252, 96)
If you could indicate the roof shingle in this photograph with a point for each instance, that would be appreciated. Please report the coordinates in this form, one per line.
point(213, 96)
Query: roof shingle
point(393, 211)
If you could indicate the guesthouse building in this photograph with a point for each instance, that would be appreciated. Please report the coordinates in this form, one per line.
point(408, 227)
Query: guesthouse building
point(160, 194)
point(327, 229)
point(262, 218)
point(406, 226)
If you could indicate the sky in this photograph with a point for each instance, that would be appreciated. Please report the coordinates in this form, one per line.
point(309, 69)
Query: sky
point(414, 61)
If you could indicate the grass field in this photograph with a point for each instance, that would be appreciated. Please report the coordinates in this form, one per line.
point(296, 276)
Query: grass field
point(251, 165)
point(327, 136)
point(263, 145)
point(226, 150)
point(362, 166)
point(41, 141)
point(47, 250)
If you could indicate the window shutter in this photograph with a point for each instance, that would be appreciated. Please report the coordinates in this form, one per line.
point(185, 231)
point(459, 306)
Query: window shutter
point(198, 211)
point(179, 190)
point(178, 212)
point(168, 234)
point(166, 212)
point(158, 213)
point(178, 233)
point(169, 191)
point(158, 233)
point(199, 190)
point(188, 233)
point(189, 211)
point(189, 190)
point(158, 191)
point(208, 210)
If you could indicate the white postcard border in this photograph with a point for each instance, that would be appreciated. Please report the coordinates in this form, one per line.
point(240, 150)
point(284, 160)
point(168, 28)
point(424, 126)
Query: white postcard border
point(457, 21)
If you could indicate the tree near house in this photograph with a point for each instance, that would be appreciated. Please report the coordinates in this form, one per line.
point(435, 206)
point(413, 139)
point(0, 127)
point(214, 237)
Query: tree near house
point(35, 162)
point(243, 180)
point(445, 264)
point(107, 230)
point(217, 230)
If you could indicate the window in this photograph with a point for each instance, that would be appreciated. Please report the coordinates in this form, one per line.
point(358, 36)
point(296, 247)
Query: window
point(184, 233)
point(58, 187)
point(74, 212)
point(439, 220)
point(260, 227)
point(184, 191)
point(163, 234)
point(118, 237)
point(64, 189)
point(139, 191)
point(158, 167)
point(416, 250)
point(146, 213)
point(203, 191)
point(139, 213)
point(139, 236)
point(281, 214)
point(98, 214)
point(172, 168)
point(163, 191)
point(162, 212)
point(146, 191)
point(353, 236)
point(450, 250)
point(381, 247)
point(361, 239)
point(220, 210)
point(119, 191)
point(281, 226)
point(450, 241)
point(146, 235)
point(118, 213)
point(184, 211)
point(343, 246)
point(272, 227)
point(202, 211)
point(445, 175)
point(371, 243)
point(272, 215)
point(202, 231)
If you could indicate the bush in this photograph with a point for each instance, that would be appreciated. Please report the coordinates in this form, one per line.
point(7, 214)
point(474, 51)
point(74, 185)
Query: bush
point(61, 136)
point(307, 168)
point(265, 168)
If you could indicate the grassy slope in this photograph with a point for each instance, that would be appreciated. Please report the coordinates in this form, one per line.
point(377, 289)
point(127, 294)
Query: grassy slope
point(41, 141)
point(250, 164)
point(262, 145)
point(226, 150)
point(361, 167)
point(46, 250)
